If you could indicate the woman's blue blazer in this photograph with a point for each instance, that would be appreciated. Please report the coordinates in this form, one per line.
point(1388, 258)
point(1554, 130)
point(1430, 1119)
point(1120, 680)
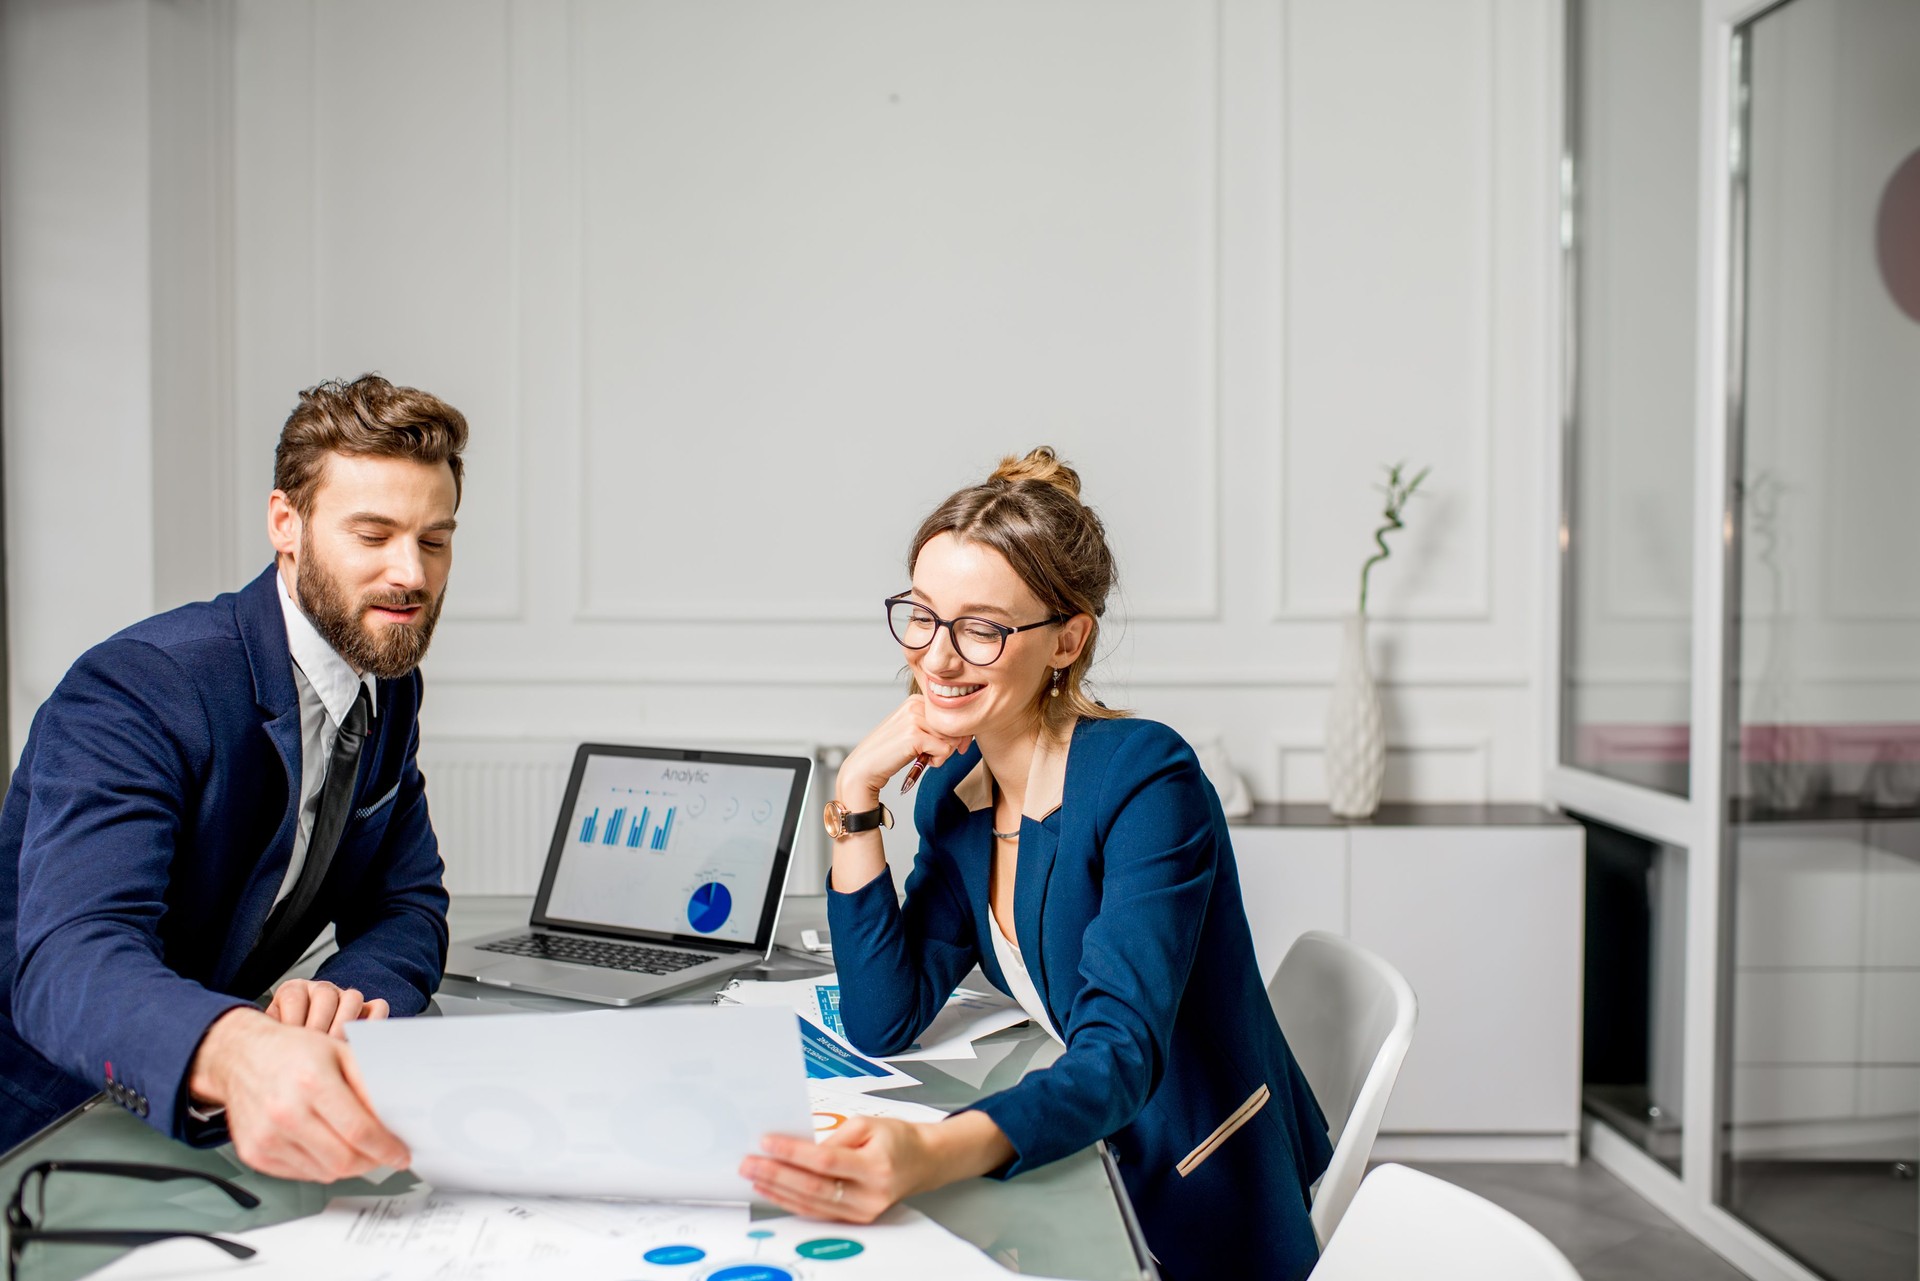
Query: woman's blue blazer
point(1128, 913)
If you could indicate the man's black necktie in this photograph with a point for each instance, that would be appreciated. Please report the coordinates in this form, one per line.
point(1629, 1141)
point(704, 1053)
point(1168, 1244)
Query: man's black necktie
point(295, 922)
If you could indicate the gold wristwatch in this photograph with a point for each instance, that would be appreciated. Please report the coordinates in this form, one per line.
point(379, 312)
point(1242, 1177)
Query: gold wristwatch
point(842, 822)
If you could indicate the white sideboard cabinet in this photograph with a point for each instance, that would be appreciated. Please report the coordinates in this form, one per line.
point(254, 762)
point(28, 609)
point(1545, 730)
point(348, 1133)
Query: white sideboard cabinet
point(1480, 906)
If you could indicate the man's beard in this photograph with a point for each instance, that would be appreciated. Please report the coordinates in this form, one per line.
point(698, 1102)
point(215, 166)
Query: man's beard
point(388, 650)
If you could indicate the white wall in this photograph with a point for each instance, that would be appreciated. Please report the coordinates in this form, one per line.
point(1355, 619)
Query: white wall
point(75, 281)
point(732, 294)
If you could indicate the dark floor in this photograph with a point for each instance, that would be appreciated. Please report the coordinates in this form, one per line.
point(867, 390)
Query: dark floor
point(1847, 1219)
point(1601, 1225)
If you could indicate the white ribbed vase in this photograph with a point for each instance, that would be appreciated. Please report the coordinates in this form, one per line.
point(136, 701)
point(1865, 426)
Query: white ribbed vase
point(1356, 737)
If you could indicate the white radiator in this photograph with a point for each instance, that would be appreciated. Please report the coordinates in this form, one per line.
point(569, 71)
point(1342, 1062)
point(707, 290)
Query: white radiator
point(493, 804)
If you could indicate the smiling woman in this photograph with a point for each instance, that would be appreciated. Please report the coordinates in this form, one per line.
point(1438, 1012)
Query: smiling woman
point(1078, 856)
point(1030, 513)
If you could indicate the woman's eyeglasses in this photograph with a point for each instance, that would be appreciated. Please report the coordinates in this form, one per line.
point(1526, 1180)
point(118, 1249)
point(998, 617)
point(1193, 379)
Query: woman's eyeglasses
point(24, 1230)
point(980, 641)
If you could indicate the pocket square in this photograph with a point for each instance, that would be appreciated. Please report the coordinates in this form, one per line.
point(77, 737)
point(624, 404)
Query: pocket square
point(367, 810)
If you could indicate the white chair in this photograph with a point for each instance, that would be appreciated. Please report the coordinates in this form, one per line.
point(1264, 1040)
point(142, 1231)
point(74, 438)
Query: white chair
point(1348, 1017)
point(1405, 1224)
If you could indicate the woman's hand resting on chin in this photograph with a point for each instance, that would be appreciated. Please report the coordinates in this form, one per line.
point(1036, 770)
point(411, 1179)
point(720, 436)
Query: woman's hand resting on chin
point(886, 750)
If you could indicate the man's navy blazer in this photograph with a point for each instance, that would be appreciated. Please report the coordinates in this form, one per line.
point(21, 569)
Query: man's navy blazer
point(1128, 914)
point(147, 830)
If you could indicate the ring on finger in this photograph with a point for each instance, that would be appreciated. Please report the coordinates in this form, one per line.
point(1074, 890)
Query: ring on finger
point(839, 1191)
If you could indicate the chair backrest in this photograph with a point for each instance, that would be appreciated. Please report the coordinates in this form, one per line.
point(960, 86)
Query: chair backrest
point(1407, 1224)
point(1348, 1016)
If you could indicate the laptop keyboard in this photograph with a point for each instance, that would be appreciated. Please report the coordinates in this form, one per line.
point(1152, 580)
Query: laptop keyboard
point(599, 953)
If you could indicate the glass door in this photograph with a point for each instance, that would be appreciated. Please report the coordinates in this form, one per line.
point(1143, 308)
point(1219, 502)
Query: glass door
point(1821, 1051)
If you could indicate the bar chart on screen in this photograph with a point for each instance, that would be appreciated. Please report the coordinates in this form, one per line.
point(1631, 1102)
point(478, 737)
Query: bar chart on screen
point(683, 851)
point(641, 830)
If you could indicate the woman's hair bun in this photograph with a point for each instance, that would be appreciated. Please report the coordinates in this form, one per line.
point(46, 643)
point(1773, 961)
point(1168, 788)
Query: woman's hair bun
point(1041, 465)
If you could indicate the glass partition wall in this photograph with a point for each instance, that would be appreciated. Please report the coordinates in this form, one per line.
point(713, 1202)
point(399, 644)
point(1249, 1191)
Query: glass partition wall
point(1740, 657)
point(1626, 542)
point(1634, 71)
point(1821, 1131)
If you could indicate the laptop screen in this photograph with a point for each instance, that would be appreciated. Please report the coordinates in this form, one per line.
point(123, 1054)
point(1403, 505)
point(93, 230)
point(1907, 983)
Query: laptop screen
point(682, 842)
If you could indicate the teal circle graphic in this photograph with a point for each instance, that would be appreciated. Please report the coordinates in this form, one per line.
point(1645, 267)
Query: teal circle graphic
point(828, 1248)
point(760, 1234)
point(675, 1254)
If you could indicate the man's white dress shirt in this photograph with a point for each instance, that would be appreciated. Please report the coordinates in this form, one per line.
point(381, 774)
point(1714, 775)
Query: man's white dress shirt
point(327, 688)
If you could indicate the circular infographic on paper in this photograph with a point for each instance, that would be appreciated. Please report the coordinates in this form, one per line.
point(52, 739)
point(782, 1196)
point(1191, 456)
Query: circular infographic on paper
point(787, 1249)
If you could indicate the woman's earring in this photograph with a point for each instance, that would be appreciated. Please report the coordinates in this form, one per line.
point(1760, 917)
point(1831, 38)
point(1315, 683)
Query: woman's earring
point(1056, 684)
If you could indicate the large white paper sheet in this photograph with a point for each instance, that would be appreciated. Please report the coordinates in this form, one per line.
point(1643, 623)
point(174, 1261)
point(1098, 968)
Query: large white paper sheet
point(654, 1104)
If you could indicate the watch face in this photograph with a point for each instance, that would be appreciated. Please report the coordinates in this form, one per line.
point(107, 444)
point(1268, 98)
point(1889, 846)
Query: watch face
point(835, 819)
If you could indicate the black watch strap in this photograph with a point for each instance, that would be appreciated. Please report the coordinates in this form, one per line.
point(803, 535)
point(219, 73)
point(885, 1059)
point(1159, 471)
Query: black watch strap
point(842, 822)
point(866, 820)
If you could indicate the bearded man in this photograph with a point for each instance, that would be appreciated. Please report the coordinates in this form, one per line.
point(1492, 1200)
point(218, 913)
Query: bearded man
point(207, 791)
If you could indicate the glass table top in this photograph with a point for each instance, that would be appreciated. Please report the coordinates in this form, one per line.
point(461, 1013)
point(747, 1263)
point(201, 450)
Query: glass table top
point(1067, 1220)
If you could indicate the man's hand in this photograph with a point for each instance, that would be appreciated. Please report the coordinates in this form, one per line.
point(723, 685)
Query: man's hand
point(322, 1006)
point(296, 1106)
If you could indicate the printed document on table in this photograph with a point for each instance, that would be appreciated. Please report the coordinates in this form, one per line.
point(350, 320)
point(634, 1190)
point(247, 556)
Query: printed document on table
point(446, 1236)
point(823, 1041)
point(833, 1106)
point(902, 1243)
point(830, 1057)
point(657, 1104)
point(187, 1260)
point(434, 1236)
point(967, 1016)
point(483, 1227)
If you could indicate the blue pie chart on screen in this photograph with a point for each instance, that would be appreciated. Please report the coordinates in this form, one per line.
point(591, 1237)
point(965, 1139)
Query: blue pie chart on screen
point(709, 907)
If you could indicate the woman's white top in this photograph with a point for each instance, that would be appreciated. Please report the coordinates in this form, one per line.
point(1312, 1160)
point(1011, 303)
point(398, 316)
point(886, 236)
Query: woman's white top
point(1014, 968)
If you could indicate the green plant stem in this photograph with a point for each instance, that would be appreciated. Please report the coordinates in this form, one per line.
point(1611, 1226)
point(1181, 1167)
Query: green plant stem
point(1380, 539)
point(1397, 495)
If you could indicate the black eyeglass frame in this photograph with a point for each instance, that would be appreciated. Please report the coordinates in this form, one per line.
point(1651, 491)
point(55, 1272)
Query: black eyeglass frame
point(1005, 631)
point(22, 1231)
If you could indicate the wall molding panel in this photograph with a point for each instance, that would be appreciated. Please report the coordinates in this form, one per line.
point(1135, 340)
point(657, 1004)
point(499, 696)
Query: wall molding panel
point(843, 677)
point(691, 364)
point(1459, 768)
point(732, 298)
point(1362, 159)
point(377, 211)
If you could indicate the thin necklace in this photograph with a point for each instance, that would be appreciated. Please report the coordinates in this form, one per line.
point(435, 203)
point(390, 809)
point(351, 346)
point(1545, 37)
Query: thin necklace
point(1014, 835)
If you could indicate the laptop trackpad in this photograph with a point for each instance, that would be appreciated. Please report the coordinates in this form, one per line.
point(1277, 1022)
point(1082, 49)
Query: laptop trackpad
point(517, 972)
point(562, 980)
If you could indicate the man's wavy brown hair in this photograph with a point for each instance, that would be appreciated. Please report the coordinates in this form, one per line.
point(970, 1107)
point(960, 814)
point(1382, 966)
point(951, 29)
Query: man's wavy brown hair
point(368, 417)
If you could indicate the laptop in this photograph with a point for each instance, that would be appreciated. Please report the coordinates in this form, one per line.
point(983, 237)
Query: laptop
point(666, 870)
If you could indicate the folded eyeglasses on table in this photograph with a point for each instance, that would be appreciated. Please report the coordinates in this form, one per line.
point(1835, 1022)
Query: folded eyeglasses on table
point(24, 1229)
